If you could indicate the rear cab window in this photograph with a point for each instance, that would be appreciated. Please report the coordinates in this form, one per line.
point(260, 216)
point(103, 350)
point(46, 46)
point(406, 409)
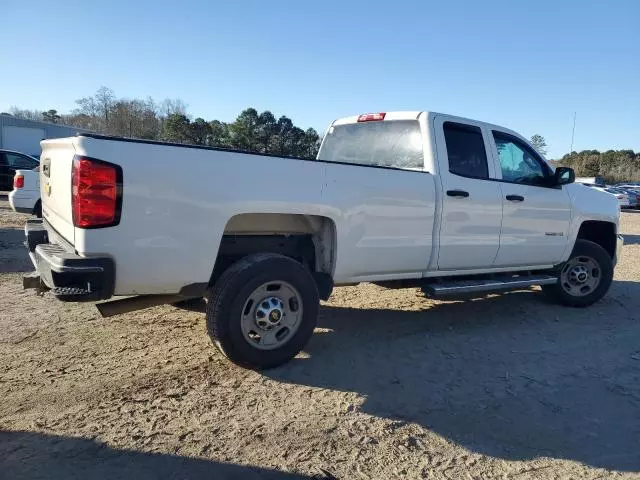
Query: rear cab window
point(390, 143)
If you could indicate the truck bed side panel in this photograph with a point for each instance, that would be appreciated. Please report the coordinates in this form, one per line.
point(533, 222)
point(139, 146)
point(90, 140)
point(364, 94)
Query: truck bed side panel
point(384, 221)
point(176, 203)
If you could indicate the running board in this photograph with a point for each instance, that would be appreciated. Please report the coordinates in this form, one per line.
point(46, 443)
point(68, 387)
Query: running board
point(457, 287)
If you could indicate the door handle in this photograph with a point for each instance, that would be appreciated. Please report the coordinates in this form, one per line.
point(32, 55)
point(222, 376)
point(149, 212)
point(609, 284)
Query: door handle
point(457, 193)
point(515, 198)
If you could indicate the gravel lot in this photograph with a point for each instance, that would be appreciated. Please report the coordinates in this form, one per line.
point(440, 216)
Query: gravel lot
point(392, 385)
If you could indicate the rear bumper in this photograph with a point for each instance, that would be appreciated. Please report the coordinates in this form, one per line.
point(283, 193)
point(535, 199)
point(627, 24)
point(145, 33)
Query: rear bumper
point(23, 202)
point(70, 277)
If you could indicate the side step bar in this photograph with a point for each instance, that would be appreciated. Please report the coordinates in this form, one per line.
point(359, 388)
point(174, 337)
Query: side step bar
point(458, 287)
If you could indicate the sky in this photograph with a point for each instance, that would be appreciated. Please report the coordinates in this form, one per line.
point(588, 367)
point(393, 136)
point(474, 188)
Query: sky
point(525, 65)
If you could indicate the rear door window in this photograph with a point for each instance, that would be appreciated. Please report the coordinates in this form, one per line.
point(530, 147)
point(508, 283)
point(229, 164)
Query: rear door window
point(20, 162)
point(391, 143)
point(465, 150)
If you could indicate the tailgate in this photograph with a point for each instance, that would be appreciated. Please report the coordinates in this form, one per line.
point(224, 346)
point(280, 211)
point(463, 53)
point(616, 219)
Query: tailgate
point(56, 162)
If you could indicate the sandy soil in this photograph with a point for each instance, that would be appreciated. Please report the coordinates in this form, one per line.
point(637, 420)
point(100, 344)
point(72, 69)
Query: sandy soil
point(392, 385)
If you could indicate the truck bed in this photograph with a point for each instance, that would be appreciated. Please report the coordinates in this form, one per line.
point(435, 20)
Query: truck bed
point(179, 200)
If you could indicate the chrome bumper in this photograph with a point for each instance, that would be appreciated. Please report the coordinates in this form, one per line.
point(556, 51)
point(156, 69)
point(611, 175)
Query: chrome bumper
point(619, 243)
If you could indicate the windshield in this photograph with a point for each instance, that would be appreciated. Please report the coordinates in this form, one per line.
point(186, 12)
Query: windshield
point(396, 143)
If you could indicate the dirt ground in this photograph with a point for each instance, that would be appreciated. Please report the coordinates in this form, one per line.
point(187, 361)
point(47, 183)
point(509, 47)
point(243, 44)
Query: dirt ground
point(392, 385)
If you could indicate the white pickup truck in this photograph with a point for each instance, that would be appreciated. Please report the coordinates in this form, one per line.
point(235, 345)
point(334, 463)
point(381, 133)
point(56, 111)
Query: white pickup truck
point(407, 199)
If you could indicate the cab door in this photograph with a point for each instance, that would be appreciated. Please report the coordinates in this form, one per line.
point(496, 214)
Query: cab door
point(471, 217)
point(536, 213)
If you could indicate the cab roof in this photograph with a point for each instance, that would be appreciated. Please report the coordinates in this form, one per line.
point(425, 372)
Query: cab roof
point(415, 115)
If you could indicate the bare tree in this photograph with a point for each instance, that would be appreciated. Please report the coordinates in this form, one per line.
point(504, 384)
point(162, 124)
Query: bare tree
point(170, 106)
point(26, 114)
point(99, 107)
point(105, 98)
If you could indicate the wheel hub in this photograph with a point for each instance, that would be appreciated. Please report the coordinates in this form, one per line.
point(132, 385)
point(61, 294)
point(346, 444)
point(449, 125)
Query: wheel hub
point(269, 313)
point(579, 274)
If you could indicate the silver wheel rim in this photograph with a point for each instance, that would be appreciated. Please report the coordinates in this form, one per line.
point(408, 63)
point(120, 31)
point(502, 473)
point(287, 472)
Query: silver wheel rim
point(271, 315)
point(580, 276)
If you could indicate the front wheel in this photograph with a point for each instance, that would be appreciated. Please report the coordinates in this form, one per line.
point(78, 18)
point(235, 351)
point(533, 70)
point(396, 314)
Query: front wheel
point(262, 310)
point(585, 278)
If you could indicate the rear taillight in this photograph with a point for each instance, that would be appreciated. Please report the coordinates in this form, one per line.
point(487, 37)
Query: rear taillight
point(18, 181)
point(96, 193)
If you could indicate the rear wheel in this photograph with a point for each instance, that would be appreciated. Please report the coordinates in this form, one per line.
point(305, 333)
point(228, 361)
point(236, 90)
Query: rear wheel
point(584, 278)
point(262, 310)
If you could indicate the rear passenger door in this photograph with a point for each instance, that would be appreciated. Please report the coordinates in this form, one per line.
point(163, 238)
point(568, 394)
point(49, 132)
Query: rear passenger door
point(471, 202)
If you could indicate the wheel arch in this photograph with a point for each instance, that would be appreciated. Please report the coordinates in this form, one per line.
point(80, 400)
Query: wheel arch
point(309, 239)
point(601, 232)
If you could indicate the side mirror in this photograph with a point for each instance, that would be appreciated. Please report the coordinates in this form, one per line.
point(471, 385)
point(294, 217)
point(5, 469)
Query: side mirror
point(564, 175)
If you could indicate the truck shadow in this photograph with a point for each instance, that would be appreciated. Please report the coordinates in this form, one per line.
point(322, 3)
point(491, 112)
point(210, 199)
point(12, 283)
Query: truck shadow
point(13, 254)
point(508, 376)
point(28, 455)
point(631, 239)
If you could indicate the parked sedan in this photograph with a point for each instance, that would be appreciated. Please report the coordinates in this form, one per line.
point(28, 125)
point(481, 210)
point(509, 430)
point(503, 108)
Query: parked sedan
point(633, 195)
point(11, 161)
point(623, 198)
point(634, 187)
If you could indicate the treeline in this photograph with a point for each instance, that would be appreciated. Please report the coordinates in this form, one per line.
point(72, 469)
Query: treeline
point(614, 165)
point(168, 120)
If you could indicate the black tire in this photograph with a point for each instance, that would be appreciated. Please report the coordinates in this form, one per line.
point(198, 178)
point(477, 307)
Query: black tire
point(37, 209)
point(604, 261)
point(228, 297)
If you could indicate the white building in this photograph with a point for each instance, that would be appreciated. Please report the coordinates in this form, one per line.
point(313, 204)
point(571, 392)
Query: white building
point(24, 136)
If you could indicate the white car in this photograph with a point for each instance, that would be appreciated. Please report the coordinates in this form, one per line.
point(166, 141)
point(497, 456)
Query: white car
point(25, 196)
point(407, 199)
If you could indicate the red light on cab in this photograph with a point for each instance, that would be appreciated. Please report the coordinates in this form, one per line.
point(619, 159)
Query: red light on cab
point(372, 117)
